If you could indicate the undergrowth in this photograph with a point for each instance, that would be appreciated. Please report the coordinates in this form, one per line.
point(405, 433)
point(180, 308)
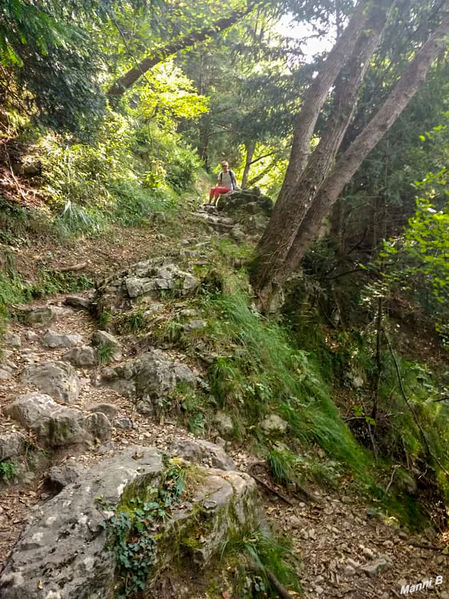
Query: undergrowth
point(260, 373)
point(133, 530)
point(8, 470)
point(258, 556)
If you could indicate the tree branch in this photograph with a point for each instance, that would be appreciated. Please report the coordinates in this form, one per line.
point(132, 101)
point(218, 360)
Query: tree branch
point(163, 52)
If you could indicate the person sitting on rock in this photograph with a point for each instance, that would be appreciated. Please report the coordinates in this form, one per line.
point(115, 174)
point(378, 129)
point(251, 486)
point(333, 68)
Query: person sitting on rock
point(226, 182)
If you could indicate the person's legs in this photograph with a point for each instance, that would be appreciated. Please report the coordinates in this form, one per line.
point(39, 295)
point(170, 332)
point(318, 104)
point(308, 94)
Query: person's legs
point(215, 193)
point(211, 194)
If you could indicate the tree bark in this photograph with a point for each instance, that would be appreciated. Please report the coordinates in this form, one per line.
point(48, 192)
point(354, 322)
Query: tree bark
point(273, 247)
point(250, 148)
point(318, 92)
point(348, 164)
point(161, 53)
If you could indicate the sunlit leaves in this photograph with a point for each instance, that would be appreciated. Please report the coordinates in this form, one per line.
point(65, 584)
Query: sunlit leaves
point(169, 96)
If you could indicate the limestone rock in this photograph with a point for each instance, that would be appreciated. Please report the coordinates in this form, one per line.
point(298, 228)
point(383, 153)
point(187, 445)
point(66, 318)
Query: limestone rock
point(156, 375)
point(55, 340)
point(237, 234)
point(151, 280)
point(98, 425)
point(31, 335)
point(56, 425)
point(149, 377)
point(144, 280)
point(204, 452)
point(247, 201)
point(12, 340)
point(5, 373)
point(12, 444)
point(223, 424)
point(107, 409)
point(40, 315)
point(274, 424)
point(58, 379)
point(102, 338)
point(194, 325)
point(62, 555)
point(61, 476)
point(380, 564)
point(83, 357)
point(124, 423)
point(78, 301)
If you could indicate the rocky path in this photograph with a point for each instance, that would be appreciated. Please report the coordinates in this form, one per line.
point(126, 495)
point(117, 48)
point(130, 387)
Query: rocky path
point(53, 358)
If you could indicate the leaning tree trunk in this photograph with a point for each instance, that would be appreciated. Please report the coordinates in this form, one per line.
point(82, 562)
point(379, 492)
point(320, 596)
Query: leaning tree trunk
point(250, 148)
point(318, 91)
point(273, 248)
point(160, 54)
point(348, 164)
point(265, 171)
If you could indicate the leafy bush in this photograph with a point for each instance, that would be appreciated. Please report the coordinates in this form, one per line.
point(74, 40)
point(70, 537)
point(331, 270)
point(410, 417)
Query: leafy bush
point(8, 470)
point(130, 170)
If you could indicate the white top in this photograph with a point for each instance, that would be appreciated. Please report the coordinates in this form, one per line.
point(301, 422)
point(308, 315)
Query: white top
point(226, 179)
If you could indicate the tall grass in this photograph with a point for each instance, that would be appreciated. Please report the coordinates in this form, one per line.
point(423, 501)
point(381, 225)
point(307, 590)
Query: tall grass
point(264, 374)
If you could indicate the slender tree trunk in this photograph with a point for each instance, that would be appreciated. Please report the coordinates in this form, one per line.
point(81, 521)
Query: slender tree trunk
point(265, 171)
point(250, 148)
point(203, 140)
point(347, 165)
point(274, 247)
point(161, 53)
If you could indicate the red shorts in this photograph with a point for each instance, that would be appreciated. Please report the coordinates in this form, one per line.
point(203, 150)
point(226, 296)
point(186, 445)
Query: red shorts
point(216, 191)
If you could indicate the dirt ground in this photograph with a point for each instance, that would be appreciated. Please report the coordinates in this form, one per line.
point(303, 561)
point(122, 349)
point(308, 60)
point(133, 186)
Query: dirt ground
point(345, 550)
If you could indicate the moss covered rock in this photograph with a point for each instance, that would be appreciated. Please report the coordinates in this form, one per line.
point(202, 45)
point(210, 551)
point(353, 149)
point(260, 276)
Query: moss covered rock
point(66, 553)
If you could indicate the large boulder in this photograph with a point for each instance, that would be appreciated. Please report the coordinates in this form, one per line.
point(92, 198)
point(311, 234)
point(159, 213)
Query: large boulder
point(247, 201)
point(58, 379)
point(203, 452)
point(56, 425)
point(62, 552)
point(149, 279)
point(150, 377)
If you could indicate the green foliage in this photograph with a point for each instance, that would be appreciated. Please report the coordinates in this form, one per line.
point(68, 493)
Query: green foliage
point(261, 554)
point(14, 290)
point(129, 171)
point(132, 531)
point(265, 374)
point(105, 351)
point(8, 470)
point(418, 262)
point(133, 321)
point(282, 464)
point(54, 52)
point(168, 95)
point(289, 468)
point(104, 319)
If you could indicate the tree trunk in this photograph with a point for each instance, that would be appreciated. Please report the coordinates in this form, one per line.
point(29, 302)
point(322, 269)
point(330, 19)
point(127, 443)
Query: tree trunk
point(250, 148)
point(160, 54)
point(318, 91)
point(348, 164)
point(273, 247)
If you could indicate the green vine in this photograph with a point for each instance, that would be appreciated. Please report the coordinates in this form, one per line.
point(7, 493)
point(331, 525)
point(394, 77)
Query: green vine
point(133, 531)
